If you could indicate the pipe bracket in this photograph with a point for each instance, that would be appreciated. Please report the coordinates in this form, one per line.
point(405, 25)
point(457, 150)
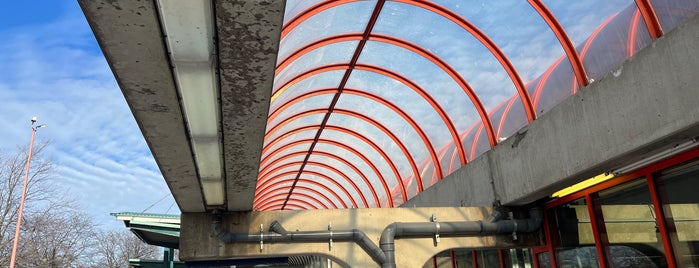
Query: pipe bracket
point(436, 225)
point(262, 237)
point(330, 229)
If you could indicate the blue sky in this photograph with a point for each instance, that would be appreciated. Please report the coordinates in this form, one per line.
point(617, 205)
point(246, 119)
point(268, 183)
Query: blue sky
point(52, 67)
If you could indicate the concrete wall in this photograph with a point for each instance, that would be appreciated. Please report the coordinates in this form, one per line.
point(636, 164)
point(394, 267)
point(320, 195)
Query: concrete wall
point(197, 243)
point(649, 103)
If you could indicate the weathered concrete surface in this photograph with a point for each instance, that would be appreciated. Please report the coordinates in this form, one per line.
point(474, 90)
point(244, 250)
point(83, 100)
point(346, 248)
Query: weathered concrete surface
point(468, 186)
point(131, 39)
point(197, 243)
point(651, 103)
point(129, 33)
point(248, 38)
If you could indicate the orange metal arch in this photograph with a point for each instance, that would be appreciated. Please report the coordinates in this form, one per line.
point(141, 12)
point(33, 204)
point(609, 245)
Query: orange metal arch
point(355, 134)
point(452, 73)
point(651, 18)
point(290, 205)
point(487, 42)
point(542, 81)
point(344, 161)
point(271, 194)
point(327, 68)
point(271, 203)
point(632, 33)
point(563, 38)
point(323, 176)
point(307, 181)
point(505, 113)
point(463, 23)
point(379, 70)
point(310, 12)
point(378, 99)
point(386, 131)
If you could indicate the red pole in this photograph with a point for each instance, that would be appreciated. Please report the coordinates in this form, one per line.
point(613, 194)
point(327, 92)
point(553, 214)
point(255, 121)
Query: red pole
point(24, 195)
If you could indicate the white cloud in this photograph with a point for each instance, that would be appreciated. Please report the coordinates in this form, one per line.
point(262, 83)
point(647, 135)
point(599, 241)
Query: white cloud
point(56, 71)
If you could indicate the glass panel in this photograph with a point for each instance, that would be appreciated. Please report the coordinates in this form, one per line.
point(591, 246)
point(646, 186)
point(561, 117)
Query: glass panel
point(454, 45)
point(294, 7)
point(678, 192)
point(443, 259)
point(415, 147)
point(290, 125)
point(463, 258)
point(581, 18)
point(426, 75)
point(613, 41)
point(555, 85)
point(631, 229)
point(272, 174)
point(353, 175)
point(544, 259)
point(331, 176)
point(519, 258)
point(347, 18)
point(405, 100)
point(323, 80)
point(522, 38)
point(488, 258)
point(292, 149)
point(348, 170)
point(330, 54)
point(574, 243)
point(301, 106)
point(673, 12)
point(308, 134)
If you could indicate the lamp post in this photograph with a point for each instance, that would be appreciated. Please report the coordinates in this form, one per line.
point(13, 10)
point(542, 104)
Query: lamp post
point(13, 257)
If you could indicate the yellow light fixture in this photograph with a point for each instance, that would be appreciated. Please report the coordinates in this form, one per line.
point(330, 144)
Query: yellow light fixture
point(583, 184)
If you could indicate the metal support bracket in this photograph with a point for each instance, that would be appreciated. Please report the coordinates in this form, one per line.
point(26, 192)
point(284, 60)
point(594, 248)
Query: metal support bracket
point(330, 229)
point(436, 225)
point(262, 237)
point(514, 233)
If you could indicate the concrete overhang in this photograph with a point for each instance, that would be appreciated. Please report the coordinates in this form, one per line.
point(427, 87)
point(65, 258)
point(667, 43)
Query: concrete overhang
point(132, 38)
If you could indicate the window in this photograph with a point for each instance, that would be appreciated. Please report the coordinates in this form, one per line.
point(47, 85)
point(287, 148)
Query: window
point(678, 192)
point(628, 222)
point(575, 245)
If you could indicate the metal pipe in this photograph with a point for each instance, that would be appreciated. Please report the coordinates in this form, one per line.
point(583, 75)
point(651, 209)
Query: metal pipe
point(385, 255)
point(467, 228)
point(279, 234)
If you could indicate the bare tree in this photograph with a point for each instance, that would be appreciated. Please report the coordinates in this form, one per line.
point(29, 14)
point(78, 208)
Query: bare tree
point(57, 236)
point(54, 232)
point(12, 167)
point(114, 248)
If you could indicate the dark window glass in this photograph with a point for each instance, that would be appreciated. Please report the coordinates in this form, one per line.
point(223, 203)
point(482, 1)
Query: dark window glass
point(678, 192)
point(572, 230)
point(488, 258)
point(463, 258)
point(630, 225)
point(544, 260)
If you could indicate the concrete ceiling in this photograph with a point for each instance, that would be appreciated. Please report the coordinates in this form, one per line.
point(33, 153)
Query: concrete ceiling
point(131, 38)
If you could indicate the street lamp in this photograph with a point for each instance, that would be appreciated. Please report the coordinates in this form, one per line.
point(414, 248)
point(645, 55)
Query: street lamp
point(13, 257)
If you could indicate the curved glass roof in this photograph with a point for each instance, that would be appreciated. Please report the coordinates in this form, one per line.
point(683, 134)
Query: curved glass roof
point(375, 101)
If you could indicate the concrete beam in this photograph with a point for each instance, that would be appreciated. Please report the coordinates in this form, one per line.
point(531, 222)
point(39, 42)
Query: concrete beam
point(248, 39)
point(130, 36)
point(197, 243)
point(648, 104)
